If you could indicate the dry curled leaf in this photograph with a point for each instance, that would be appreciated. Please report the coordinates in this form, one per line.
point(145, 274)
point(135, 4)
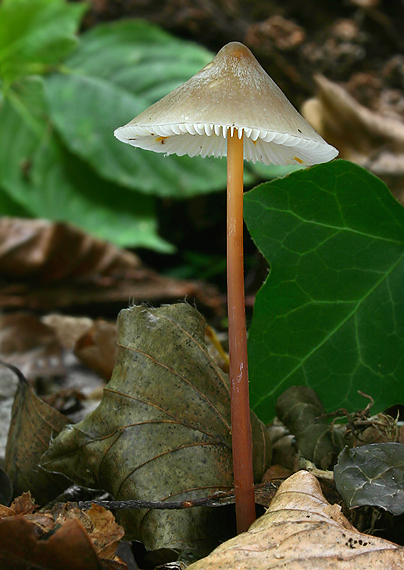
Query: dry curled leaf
point(96, 348)
point(162, 430)
point(301, 531)
point(48, 266)
point(96, 532)
point(31, 345)
point(300, 409)
point(360, 134)
point(70, 547)
point(33, 425)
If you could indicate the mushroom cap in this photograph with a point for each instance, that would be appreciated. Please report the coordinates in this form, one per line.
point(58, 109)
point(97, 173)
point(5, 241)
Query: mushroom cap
point(232, 91)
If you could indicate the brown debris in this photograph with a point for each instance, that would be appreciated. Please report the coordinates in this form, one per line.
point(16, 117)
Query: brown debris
point(50, 266)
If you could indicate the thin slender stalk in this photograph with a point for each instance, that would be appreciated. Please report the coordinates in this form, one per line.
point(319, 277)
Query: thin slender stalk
point(240, 406)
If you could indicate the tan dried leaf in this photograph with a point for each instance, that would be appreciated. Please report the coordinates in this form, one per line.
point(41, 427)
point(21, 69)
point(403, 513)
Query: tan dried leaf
point(50, 266)
point(302, 531)
point(360, 134)
point(97, 349)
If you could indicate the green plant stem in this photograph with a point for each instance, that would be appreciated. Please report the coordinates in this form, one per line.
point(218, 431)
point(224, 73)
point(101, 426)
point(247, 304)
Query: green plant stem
point(240, 407)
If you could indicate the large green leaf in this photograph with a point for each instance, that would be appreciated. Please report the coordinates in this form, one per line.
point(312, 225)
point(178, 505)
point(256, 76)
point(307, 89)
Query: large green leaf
point(331, 313)
point(42, 177)
point(35, 34)
point(119, 70)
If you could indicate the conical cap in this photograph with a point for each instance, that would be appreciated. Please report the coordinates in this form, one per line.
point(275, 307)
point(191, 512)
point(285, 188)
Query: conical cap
point(232, 91)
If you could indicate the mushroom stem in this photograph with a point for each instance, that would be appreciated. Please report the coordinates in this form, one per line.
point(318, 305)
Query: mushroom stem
point(240, 407)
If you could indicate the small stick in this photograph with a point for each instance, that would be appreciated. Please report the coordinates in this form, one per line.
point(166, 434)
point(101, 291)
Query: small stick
point(240, 406)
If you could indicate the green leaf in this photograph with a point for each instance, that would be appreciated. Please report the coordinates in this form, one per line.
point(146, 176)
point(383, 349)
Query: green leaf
point(162, 429)
point(119, 70)
point(331, 313)
point(35, 34)
point(40, 177)
point(372, 475)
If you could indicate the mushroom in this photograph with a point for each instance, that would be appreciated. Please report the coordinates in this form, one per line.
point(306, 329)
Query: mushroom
point(232, 107)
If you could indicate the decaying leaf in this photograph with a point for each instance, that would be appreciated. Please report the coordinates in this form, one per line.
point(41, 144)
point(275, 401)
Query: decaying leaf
point(98, 524)
point(69, 547)
point(372, 475)
point(300, 409)
point(67, 329)
point(162, 430)
point(33, 425)
point(360, 134)
point(301, 531)
point(6, 488)
point(96, 348)
point(30, 345)
point(49, 265)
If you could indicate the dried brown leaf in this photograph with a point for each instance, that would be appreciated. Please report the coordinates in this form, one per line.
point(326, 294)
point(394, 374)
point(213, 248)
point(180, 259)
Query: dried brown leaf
point(31, 345)
point(97, 522)
point(33, 425)
point(48, 266)
point(97, 349)
point(301, 531)
point(360, 134)
point(69, 547)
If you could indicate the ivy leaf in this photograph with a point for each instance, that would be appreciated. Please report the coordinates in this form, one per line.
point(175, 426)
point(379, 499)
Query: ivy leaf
point(372, 475)
point(331, 313)
point(119, 70)
point(35, 34)
point(162, 430)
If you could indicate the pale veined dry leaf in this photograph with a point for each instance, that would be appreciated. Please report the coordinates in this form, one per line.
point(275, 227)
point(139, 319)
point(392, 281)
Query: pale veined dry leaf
point(302, 531)
point(161, 432)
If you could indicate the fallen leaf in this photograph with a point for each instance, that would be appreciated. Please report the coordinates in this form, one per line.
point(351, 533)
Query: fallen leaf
point(23, 504)
point(30, 345)
point(68, 329)
point(6, 488)
point(69, 547)
point(33, 425)
point(360, 134)
point(162, 430)
point(372, 475)
point(49, 266)
point(96, 348)
point(98, 524)
point(300, 409)
point(301, 531)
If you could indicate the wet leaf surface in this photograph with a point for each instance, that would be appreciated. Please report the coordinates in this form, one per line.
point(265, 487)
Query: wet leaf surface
point(33, 425)
point(372, 475)
point(162, 430)
point(301, 531)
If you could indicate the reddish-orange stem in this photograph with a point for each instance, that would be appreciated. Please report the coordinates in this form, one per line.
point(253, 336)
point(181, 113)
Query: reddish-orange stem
point(240, 406)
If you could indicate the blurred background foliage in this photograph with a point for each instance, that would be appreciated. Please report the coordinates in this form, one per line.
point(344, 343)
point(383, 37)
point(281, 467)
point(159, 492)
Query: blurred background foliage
point(62, 95)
